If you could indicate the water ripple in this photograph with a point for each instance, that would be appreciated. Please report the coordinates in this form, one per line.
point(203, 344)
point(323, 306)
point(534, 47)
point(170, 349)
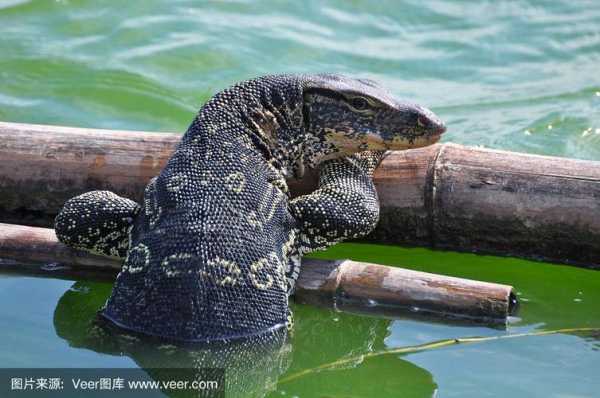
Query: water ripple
point(492, 69)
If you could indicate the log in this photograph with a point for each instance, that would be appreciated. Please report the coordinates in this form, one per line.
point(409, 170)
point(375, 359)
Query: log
point(443, 196)
point(352, 285)
point(346, 283)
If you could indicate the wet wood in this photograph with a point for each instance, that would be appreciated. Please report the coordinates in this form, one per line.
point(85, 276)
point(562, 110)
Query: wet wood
point(348, 284)
point(443, 196)
point(351, 284)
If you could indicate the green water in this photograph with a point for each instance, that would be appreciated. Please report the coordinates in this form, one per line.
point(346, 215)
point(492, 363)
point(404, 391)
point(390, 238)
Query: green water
point(517, 75)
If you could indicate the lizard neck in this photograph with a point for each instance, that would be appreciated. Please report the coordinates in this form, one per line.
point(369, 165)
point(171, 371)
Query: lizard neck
point(264, 114)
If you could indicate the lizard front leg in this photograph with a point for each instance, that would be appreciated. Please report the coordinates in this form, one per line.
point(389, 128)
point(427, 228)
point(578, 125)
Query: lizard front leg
point(97, 222)
point(344, 205)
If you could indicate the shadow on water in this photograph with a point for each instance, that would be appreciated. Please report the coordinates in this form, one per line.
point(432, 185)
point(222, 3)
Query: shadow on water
point(254, 368)
point(251, 366)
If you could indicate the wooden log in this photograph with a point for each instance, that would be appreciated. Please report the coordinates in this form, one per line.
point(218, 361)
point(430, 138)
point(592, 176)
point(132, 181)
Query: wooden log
point(351, 284)
point(442, 196)
point(42, 166)
point(346, 283)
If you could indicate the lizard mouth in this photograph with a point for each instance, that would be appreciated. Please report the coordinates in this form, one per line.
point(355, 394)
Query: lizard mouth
point(413, 142)
point(435, 138)
point(376, 142)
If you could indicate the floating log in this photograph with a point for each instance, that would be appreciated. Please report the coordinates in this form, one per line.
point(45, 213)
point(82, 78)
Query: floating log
point(346, 283)
point(443, 196)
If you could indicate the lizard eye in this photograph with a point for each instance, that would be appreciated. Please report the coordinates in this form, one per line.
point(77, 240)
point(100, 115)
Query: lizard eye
point(421, 121)
point(359, 103)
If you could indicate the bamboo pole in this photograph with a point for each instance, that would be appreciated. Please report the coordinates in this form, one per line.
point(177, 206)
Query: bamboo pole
point(347, 283)
point(442, 196)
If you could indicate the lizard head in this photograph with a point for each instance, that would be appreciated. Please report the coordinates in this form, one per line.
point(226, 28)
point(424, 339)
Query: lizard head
point(352, 115)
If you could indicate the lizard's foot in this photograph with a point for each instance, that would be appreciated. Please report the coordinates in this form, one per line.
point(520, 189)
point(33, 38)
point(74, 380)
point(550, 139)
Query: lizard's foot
point(98, 222)
point(344, 206)
point(367, 161)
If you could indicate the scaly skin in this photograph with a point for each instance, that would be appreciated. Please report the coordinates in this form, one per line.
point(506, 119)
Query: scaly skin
point(214, 250)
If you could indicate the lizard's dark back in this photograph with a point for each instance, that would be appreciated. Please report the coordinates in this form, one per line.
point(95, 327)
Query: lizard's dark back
point(209, 250)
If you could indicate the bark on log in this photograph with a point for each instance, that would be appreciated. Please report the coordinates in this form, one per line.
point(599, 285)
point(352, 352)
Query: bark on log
point(443, 196)
point(345, 282)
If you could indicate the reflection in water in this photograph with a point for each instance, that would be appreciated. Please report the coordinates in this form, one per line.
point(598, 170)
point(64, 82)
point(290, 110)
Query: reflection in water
point(252, 366)
point(262, 367)
point(346, 341)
